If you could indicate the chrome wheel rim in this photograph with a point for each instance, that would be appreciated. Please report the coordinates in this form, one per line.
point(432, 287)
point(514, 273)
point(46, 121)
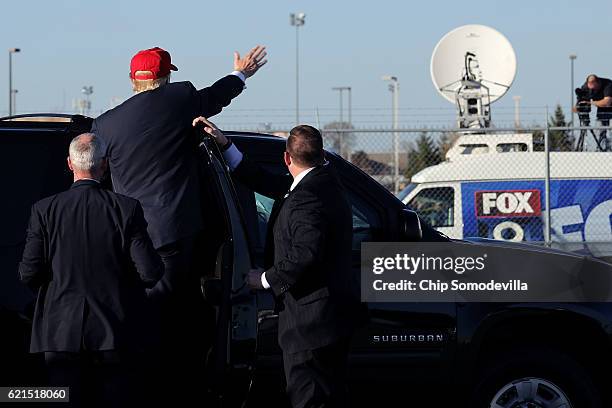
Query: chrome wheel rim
point(530, 392)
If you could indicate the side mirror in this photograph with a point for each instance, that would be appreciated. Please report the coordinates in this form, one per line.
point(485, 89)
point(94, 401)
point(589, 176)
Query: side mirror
point(411, 226)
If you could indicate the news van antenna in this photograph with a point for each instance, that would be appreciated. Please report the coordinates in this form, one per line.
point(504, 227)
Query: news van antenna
point(472, 66)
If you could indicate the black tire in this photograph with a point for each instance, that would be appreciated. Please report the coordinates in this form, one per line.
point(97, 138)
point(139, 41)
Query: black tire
point(549, 365)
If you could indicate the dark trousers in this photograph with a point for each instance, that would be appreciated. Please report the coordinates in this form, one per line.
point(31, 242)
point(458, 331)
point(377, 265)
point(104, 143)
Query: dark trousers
point(318, 378)
point(178, 272)
point(182, 317)
point(94, 378)
point(177, 301)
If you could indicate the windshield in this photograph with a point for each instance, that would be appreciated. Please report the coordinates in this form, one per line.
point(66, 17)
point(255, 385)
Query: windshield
point(404, 193)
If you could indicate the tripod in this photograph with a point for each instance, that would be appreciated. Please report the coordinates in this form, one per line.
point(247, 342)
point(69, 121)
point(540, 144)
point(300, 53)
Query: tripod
point(601, 141)
point(604, 120)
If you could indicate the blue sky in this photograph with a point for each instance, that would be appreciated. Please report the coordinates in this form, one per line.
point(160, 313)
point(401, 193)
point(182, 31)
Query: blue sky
point(68, 44)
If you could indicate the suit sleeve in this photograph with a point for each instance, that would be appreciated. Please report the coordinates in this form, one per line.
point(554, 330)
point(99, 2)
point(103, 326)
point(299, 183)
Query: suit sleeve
point(213, 99)
point(307, 228)
point(147, 262)
point(261, 180)
point(34, 268)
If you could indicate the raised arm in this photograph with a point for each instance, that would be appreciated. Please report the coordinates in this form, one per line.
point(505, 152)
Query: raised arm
point(246, 171)
point(217, 96)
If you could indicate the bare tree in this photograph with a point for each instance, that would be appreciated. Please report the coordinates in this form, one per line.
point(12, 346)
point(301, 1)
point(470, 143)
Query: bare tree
point(339, 142)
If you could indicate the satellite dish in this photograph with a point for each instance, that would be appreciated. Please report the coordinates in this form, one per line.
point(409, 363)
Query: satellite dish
point(495, 67)
point(473, 66)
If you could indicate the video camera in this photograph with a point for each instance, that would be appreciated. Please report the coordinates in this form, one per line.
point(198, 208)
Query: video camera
point(583, 108)
point(583, 105)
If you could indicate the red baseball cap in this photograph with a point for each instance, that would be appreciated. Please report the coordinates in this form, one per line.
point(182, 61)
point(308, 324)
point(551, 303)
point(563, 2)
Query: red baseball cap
point(155, 60)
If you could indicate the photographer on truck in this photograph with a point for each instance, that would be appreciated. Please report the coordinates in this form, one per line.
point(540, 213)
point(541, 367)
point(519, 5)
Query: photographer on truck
point(595, 91)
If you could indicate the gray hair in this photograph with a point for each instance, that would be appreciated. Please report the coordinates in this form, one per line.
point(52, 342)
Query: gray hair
point(86, 152)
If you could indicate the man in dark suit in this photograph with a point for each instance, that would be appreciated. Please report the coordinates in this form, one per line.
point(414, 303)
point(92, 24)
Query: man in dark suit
point(90, 257)
point(152, 151)
point(308, 265)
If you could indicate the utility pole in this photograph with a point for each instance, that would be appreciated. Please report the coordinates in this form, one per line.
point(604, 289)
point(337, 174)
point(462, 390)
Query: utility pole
point(394, 88)
point(341, 89)
point(297, 20)
point(350, 107)
point(341, 123)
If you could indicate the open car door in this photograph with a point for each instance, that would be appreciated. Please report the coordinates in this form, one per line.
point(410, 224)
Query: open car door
point(231, 362)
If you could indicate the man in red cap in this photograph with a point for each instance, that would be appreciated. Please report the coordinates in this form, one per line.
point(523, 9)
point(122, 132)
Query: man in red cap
point(152, 154)
point(150, 141)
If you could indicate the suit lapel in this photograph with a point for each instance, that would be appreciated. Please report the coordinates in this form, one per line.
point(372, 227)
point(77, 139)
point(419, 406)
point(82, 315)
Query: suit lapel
point(278, 204)
point(276, 209)
point(269, 244)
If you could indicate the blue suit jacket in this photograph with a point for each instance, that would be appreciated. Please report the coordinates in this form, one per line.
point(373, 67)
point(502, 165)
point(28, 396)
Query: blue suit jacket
point(152, 152)
point(88, 254)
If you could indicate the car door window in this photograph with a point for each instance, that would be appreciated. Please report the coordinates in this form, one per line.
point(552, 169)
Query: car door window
point(263, 206)
point(257, 209)
point(435, 205)
point(365, 218)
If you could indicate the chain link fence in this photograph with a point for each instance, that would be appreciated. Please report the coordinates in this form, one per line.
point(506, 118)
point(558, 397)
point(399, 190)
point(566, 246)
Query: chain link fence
point(545, 185)
point(549, 185)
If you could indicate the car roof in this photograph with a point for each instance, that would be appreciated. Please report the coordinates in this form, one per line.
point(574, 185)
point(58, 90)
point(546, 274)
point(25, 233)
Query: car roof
point(255, 136)
point(519, 166)
point(37, 122)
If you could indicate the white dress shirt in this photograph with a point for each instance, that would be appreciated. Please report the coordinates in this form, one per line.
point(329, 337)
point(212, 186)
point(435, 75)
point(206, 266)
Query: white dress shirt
point(240, 75)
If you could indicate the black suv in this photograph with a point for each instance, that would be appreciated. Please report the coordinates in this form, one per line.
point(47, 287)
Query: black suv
point(422, 354)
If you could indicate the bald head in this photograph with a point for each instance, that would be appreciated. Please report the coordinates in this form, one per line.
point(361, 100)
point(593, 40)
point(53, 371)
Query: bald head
point(86, 156)
point(592, 82)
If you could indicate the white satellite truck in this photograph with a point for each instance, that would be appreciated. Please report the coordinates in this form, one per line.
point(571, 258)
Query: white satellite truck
point(493, 185)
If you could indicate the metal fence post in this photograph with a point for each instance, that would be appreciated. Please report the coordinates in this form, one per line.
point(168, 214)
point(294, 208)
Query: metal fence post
point(547, 227)
point(396, 138)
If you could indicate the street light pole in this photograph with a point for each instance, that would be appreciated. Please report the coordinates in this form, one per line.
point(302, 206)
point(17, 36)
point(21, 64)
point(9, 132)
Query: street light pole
point(517, 111)
point(394, 88)
point(86, 104)
point(297, 20)
point(572, 58)
point(14, 106)
point(11, 51)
